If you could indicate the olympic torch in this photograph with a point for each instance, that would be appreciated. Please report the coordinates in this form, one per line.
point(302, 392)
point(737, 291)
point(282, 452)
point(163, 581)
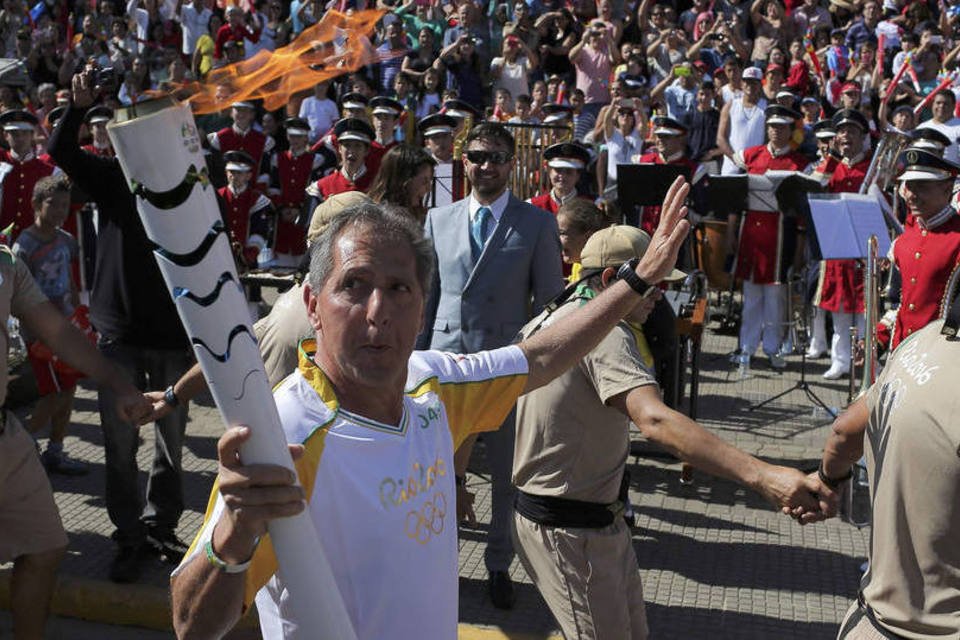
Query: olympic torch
point(158, 146)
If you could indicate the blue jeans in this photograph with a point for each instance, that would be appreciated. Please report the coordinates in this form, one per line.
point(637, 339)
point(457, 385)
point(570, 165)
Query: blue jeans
point(153, 369)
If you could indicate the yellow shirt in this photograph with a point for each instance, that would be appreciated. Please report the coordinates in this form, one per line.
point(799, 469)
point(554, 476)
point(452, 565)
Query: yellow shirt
point(205, 46)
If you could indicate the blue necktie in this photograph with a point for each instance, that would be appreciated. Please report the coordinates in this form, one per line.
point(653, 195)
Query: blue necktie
point(480, 230)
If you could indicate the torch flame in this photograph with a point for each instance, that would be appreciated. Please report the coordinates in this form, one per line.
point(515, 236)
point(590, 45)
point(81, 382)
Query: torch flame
point(339, 43)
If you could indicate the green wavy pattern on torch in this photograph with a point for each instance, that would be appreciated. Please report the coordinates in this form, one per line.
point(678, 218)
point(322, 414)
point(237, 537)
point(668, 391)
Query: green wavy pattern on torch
point(176, 196)
point(194, 257)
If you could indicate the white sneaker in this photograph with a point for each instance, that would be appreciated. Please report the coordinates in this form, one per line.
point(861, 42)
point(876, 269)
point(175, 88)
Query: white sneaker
point(836, 371)
point(814, 354)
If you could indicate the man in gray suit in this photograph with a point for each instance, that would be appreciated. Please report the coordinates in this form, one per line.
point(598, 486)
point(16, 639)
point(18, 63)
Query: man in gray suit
point(498, 264)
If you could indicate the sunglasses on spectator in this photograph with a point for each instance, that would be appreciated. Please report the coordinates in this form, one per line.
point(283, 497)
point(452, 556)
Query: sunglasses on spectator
point(493, 157)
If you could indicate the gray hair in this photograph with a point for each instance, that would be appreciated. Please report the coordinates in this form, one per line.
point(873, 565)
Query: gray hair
point(382, 222)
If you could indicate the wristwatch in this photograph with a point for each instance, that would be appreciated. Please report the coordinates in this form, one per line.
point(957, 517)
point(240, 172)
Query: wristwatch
point(170, 397)
point(628, 273)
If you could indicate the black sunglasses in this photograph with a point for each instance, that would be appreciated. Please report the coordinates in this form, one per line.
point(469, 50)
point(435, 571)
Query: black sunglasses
point(493, 157)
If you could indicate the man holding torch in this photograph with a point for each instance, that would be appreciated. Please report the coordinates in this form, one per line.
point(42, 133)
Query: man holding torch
point(376, 425)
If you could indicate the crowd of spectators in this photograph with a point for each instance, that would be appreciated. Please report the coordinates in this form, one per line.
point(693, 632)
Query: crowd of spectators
point(511, 60)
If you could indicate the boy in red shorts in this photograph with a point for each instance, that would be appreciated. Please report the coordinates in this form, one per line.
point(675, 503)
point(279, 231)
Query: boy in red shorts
point(48, 251)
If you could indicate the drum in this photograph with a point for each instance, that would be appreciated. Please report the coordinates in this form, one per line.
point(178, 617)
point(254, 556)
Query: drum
point(712, 253)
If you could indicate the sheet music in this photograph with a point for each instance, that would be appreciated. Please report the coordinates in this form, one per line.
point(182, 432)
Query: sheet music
point(832, 225)
point(844, 222)
point(866, 217)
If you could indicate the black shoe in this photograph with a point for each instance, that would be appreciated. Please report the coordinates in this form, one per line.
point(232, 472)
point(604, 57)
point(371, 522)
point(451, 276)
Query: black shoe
point(60, 462)
point(501, 590)
point(127, 565)
point(170, 548)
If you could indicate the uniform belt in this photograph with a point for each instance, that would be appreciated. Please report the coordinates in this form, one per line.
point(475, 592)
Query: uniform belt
point(551, 511)
point(864, 611)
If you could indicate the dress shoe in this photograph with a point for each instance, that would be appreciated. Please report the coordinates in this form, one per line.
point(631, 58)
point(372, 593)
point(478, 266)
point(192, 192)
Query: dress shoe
point(777, 362)
point(127, 565)
point(168, 546)
point(835, 372)
point(501, 590)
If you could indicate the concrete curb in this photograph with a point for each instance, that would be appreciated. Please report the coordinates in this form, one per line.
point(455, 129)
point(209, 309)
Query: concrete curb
point(148, 606)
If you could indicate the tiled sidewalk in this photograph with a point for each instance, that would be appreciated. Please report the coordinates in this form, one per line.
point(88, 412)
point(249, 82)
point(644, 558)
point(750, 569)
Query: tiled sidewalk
point(717, 562)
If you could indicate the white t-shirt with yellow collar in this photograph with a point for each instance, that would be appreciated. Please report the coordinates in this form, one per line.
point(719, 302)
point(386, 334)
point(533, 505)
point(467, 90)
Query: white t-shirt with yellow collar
point(383, 497)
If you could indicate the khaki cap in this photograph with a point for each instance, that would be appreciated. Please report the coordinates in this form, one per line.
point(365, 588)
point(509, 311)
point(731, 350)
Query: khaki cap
point(613, 246)
point(330, 207)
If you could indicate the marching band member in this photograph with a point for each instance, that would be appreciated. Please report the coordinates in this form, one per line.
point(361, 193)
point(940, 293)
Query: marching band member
point(353, 145)
point(245, 211)
point(291, 171)
point(671, 140)
point(554, 113)
point(565, 164)
point(460, 111)
point(760, 257)
point(20, 168)
point(437, 133)
point(824, 134)
point(97, 119)
point(386, 115)
point(840, 289)
point(241, 136)
point(929, 139)
point(927, 254)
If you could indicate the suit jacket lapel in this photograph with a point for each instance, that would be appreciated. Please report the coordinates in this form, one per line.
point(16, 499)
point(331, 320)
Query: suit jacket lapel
point(500, 234)
point(461, 233)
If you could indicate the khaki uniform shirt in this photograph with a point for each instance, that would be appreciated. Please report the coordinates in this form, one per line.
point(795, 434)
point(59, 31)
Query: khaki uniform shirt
point(18, 293)
point(279, 333)
point(912, 448)
point(569, 443)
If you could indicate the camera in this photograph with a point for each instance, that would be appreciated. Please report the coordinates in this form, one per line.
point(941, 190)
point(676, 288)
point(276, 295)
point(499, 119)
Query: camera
point(105, 78)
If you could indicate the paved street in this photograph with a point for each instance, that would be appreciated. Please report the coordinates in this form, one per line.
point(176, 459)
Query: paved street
point(717, 562)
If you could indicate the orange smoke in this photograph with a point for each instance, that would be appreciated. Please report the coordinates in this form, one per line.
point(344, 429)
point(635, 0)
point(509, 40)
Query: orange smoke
point(338, 44)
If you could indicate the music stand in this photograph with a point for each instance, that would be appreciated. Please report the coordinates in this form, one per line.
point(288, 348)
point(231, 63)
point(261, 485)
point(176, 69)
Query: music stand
point(841, 222)
point(644, 185)
point(727, 195)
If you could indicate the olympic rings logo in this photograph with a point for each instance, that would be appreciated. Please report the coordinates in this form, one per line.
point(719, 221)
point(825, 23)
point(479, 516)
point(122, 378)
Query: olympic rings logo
point(428, 521)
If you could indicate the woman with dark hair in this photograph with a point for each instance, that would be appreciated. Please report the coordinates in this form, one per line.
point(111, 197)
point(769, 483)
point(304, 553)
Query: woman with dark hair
point(404, 180)
point(463, 63)
point(558, 33)
point(418, 60)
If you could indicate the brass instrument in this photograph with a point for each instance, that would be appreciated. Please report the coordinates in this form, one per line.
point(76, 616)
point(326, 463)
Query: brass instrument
point(881, 170)
point(855, 506)
point(529, 178)
point(461, 185)
point(871, 314)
